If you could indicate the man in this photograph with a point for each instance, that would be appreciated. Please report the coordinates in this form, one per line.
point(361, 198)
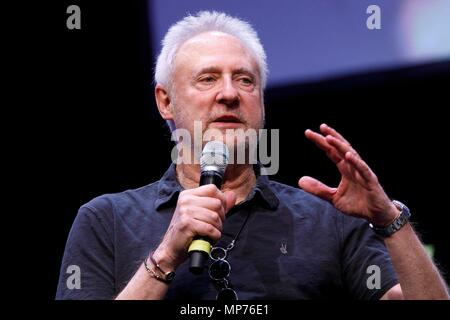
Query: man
point(271, 241)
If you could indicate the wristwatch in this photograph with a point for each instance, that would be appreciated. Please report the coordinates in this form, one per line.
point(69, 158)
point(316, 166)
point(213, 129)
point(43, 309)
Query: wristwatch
point(397, 224)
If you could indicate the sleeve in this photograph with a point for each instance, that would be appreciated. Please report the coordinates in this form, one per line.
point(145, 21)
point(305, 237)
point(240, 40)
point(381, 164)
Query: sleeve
point(87, 269)
point(367, 270)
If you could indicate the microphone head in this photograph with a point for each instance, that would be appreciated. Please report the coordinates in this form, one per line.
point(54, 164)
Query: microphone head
point(214, 157)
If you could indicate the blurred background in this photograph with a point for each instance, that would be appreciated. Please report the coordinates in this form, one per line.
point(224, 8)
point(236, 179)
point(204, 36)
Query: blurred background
point(386, 90)
point(311, 40)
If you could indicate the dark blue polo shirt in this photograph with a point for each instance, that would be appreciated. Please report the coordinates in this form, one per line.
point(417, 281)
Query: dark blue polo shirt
point(293, 246)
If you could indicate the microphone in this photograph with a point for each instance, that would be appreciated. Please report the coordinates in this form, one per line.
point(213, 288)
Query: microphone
point(213, 163)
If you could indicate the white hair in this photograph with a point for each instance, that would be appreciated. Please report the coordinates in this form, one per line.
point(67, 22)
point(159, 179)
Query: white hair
point(206, 21)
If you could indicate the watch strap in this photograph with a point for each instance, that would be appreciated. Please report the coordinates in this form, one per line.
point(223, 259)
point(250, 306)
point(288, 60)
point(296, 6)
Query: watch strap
point(397, 224)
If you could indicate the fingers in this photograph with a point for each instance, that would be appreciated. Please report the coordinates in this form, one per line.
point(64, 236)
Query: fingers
point(341, 147)
point(192, 218)
point(317, 188)
point(338, 149)
point(318, 139)
point(327, 130)
point(363, 169)
point(334, 144)
point(208, 216)
point(207, 230)
point(187, 229)
point(346, 151)
point(201, 211)
point(213, 204)
point(208, 190)
point(322, 143)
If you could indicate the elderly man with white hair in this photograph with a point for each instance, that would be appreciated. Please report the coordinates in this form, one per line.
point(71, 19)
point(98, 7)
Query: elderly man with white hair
point(270, 240)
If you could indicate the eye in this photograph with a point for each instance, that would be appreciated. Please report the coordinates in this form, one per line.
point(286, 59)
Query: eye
point(246, 80)
point(207, 79)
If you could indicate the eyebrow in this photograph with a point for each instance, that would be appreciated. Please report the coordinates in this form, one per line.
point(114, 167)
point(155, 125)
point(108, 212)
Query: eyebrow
point(215, 69)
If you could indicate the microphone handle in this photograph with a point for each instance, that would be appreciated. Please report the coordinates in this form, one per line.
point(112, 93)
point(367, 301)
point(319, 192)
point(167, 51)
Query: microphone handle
point(211, 177)
point(200, 247)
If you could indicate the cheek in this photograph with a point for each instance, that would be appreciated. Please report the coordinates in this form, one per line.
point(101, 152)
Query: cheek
point(255, 112)
point(200, 101)
point(191, 108)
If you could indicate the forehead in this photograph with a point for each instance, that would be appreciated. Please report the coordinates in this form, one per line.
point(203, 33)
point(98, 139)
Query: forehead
point(216, 49)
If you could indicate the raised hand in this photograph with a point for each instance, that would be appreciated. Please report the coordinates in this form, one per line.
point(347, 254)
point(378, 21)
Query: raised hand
point(359, 193)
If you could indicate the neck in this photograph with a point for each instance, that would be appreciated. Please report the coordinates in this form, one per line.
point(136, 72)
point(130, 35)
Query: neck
point(238, 178)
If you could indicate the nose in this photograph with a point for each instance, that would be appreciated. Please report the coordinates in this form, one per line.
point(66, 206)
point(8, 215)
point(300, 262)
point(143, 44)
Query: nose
point(228, 94)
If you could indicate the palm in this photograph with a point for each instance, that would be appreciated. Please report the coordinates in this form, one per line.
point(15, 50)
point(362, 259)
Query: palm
point(351, 196)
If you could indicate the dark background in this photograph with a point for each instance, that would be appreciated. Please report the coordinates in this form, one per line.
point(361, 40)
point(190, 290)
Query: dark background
point(99, 130)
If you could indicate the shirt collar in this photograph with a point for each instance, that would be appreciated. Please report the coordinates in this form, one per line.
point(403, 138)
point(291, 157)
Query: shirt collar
point(169, 189)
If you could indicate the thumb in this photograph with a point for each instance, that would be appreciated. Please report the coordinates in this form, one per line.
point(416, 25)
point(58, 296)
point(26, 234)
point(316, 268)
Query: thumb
point(231, 199)
point(317, 188)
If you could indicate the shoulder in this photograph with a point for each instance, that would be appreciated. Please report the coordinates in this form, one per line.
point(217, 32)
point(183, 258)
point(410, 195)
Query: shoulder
point(110, 204)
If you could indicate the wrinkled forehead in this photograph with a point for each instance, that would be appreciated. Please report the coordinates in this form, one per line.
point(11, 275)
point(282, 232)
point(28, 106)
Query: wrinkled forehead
point(215, 48)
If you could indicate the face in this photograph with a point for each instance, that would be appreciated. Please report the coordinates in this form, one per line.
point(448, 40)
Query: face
point(216, 81)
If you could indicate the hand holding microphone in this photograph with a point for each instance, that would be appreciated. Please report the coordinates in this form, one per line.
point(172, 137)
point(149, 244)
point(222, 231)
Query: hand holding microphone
point(200, 212)
point(213, 163)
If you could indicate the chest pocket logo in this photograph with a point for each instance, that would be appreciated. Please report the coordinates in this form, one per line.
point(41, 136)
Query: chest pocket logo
point(283, 248)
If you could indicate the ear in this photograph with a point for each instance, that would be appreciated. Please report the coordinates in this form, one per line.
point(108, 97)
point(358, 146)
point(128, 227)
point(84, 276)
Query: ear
point(163, 102)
